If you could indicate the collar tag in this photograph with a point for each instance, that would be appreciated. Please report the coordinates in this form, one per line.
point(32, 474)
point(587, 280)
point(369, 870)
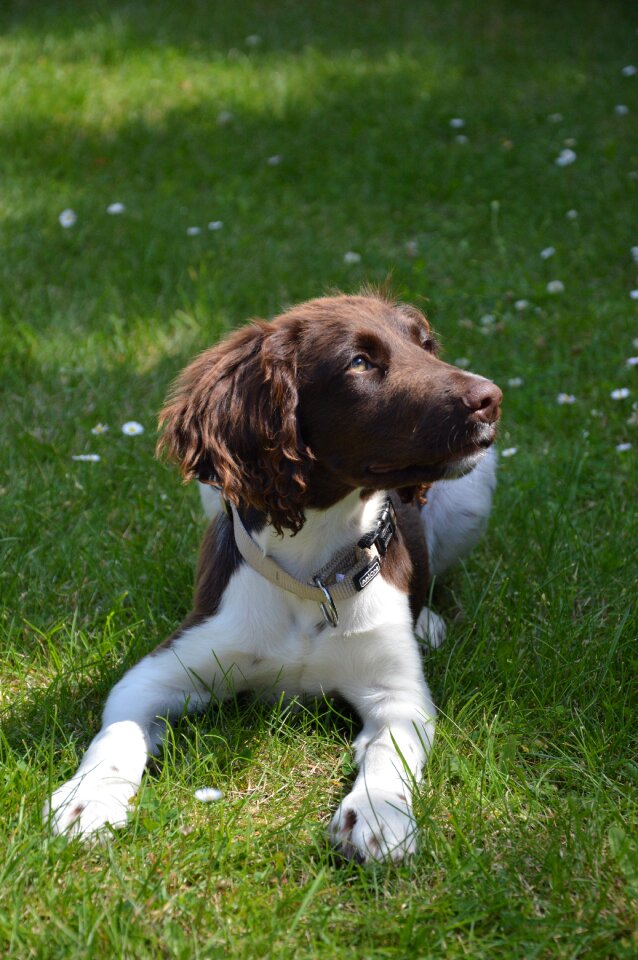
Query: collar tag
point(369, 572)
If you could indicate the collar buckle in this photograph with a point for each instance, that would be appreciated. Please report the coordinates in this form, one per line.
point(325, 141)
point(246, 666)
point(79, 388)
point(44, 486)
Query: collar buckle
point(385, 529)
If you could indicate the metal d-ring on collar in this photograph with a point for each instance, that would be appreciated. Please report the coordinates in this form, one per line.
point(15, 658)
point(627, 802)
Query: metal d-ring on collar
point(352, 568)
point(328, 608)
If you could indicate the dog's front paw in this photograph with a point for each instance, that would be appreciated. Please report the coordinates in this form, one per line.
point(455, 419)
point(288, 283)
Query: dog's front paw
point(84, 805)
point(374, 825)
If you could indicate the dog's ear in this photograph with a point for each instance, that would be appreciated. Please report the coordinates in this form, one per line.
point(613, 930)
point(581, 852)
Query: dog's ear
point(231, 418)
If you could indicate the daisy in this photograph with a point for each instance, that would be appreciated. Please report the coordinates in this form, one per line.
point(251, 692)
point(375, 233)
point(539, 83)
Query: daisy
point(515, 382)
point(547, 253)
point(521, 304)
point(115, 208)
point(632, 361)
point(629, 71)
point(565, 157)
point(457, 123)
point(555, 117)
point(275, 160)
point(193, 231)
point(351, 257)
point(67, 218)
point(509, 451)
point(132, 428)
point(253, 40)
point(634, 254)
point(461, 138)
point(215, 224)
point(208, 794)
point(87, 457)
point(462, 362)
point(565, 398)
point(621, 393)
point(621, 110)
point(555, 286)
point(487, 320)
point(572, 214)
point(623, 447)
point(99, 428)
point(633, 294)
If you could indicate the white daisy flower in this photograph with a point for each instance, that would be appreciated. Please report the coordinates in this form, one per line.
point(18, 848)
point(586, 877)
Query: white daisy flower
point(462, 362)
point(547, 253)
point(621, 110)
point(253, 40)
point(623, 447)
point(224, 117)
point(215, 224)
point(132, 428)
point(565, 157)
point(87, 457)
point(620, 393)
point(411, 248)
point(633, 294)
point(521, 304)
point(632, 361)
point(115, 208)
point(555, 117)
point(515, 382)
point(565, 398)
point(457, 123)
point(555, 286)
point(67, 218)
point(487, 320)
point(572, 214)
point(99, 428)
point(461, 138)
point(634, 254)
point(208, 794)
point(351, 257)
point(509, 451)
point(193, 231)
point(275, 160)
point(629, 71)
point(635, 341)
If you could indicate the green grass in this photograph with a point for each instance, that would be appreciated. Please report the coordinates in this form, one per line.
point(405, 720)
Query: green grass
point(528, 810)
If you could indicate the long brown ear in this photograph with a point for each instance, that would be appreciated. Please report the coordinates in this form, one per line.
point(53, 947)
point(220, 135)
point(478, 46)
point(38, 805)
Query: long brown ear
point(231, 416)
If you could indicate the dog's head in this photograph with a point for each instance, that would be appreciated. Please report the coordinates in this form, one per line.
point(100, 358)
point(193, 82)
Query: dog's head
point(337, 394)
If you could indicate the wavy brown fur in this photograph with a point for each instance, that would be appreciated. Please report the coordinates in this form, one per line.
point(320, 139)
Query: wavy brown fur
point(232, 414)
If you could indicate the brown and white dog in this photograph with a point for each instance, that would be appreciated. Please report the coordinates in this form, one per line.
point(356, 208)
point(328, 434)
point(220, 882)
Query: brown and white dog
point(320, 429)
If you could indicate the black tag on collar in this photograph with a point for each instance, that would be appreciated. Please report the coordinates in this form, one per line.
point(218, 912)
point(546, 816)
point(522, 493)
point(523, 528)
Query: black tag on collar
point(369, 572)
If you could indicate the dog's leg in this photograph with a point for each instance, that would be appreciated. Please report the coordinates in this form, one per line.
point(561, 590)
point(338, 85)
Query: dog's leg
point(179, 676)
point(375, 821)
point(456, 514)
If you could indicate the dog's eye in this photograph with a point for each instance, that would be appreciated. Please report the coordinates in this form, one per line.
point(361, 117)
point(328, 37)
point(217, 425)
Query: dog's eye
point(360, 364)
point(429, 344)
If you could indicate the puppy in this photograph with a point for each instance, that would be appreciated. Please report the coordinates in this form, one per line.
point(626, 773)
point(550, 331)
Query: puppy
point(321, 431)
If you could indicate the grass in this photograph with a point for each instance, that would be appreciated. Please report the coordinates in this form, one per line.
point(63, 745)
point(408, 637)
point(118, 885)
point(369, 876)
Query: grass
point(528, 811)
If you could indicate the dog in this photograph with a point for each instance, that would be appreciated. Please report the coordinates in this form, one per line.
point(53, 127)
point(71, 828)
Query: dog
point(316, 436)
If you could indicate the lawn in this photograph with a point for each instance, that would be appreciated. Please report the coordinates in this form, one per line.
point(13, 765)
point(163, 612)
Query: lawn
point(312, 132)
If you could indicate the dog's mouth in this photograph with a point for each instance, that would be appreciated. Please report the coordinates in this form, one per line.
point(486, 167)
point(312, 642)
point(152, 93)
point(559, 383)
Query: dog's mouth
point(452, 462)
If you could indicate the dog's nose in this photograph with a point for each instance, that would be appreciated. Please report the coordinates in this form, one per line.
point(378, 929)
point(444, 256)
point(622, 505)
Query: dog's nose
point(483, 398)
